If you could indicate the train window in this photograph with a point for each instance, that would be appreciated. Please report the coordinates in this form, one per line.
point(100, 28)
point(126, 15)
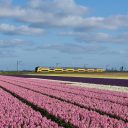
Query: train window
point(45, 70)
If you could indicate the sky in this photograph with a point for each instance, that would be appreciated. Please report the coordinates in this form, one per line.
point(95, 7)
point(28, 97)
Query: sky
point(64, 33)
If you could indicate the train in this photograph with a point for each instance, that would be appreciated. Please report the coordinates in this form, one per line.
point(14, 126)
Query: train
point(66, 69)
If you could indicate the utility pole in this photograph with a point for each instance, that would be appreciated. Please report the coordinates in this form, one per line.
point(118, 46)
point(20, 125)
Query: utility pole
point(18, 63)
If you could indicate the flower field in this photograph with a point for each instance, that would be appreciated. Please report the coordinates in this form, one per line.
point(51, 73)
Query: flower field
point(105, 81)
point(31, 103)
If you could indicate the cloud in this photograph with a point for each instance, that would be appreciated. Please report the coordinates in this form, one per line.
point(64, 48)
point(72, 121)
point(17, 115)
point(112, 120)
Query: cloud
point(115, 22)
point(9, 47)
point(59, 6)
point(98, 37)
point(64, 15)
point(13, 43)
point(20, 30)
point(67, 13)
point(82, 49)
point(7, 53)
point(5, 2)
point(115, 52)
point(60, 13)
point(12, 12)
point(73, 48)
point(38, 10)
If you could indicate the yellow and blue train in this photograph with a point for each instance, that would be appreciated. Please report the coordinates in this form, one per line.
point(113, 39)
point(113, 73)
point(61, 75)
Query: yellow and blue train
point(61, 69)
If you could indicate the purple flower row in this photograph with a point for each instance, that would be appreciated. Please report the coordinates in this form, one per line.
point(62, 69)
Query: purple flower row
point(77, 116)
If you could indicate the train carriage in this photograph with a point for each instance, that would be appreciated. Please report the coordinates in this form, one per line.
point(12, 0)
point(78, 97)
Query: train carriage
point(90, 70)
point(58, 69)
point(80, 70)
point(69, 70)
point(100, 70)
point(46, 69)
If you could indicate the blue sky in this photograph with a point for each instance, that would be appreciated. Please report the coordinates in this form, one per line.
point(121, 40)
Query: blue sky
point(68, 32)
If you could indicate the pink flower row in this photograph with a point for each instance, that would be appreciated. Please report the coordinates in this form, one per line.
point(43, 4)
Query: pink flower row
point(14, 113)
point(78, 91)
point(77, 116)
point(114, 109)
point(81, 89)
point(65, 85)
point(116, 97)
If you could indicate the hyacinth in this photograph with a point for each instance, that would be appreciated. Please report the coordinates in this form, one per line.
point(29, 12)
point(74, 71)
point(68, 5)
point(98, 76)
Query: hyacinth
point(81, 107)
point(14, 114)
